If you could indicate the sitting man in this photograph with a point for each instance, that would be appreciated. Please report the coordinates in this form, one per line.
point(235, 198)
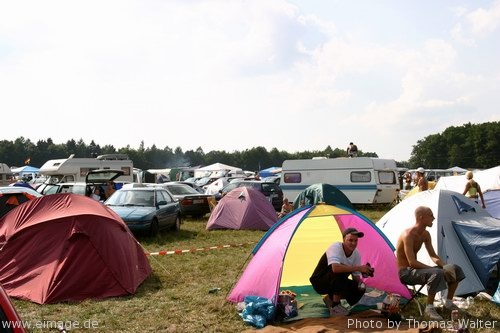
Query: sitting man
point(412, 271)
point(331, 276)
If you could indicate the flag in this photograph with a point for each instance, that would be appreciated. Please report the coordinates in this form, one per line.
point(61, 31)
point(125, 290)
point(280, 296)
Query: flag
point(27, 161)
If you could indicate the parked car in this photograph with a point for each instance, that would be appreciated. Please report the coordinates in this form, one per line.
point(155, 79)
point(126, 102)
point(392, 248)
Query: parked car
point(271, 190)
point(197, 188)
point(13, 196)
point(146, 209)
point(192, 203)
point(100, 179)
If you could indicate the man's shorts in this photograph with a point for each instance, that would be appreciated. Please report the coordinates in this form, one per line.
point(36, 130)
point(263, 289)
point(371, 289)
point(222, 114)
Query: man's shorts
point(435, 278)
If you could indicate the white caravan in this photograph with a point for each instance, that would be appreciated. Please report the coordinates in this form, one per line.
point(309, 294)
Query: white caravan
point(364, 180)
point(71, 169)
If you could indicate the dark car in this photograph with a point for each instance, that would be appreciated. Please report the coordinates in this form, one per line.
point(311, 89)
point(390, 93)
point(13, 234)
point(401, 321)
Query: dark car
point(271, 190)
point(192, 203)
point(146, 209)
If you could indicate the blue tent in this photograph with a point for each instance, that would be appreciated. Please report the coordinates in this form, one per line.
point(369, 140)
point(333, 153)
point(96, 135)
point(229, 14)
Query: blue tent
point(25, 170)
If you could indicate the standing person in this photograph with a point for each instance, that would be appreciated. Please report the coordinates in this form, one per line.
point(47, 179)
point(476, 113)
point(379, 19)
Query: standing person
point(421, 181)
point(472, 189)
point(412, 271)
point(407, 179)
point(331, 276)
point(352, 150)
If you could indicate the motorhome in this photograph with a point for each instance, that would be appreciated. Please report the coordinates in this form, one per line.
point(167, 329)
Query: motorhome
point(364, 180)
point(71, 169)
point(5, 174)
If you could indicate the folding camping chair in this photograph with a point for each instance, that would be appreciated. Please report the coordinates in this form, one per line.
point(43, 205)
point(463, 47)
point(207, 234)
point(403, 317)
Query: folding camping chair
point(414, 293)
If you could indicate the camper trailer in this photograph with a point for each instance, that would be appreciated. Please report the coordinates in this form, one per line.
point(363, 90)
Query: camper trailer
point(5, 174)
point(364, 180)
point(71, 169)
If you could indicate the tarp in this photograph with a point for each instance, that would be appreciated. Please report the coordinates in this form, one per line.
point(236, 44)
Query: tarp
point(68, 247)
point(243, 208)
point(463, 233)
point(325, 193)
point(269, 172)
point(287, 254)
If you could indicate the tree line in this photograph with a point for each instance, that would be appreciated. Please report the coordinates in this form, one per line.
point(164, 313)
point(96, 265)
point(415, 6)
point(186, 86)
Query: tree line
point(472, 146)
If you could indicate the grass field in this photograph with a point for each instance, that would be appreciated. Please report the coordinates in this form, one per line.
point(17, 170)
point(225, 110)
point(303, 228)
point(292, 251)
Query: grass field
point(176, 297)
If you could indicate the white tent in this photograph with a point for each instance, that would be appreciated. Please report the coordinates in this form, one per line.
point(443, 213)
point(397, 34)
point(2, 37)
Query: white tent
point(463, 233)
point(216, 167)
point(488, 179)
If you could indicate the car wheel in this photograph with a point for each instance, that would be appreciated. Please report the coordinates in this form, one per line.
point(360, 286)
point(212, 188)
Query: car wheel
point(154, 229)
point(177, 225)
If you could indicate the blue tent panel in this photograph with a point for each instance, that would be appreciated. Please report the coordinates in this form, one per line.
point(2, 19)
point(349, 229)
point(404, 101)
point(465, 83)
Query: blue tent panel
point(482, 246)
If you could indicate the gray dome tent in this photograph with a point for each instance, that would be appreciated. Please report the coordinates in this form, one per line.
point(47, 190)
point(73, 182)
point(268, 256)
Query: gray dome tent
point(326, 193)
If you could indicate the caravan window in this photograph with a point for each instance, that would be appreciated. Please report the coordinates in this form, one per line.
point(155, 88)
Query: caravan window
point(361, 176)
point(292, 178)
point(386, 177)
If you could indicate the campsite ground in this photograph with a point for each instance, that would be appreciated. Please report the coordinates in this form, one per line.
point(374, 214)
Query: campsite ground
point(181, 294)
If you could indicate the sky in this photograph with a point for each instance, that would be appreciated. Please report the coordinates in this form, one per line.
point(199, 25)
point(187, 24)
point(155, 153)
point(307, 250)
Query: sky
point(232, 75)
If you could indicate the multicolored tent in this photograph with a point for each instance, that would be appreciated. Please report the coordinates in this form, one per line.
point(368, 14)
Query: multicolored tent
point(288, 253)
point(243, 208)
point(68, 247)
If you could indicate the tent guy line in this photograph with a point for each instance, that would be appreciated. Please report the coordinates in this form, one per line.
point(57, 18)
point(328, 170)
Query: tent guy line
point(164, 253)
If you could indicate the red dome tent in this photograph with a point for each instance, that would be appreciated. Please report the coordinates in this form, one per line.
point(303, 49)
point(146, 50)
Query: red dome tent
point(65, 247)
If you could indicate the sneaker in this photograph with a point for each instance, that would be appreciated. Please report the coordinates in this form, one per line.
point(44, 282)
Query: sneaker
point(452, 307)
point(338, 310)
point(432, 314)
point(328, 301)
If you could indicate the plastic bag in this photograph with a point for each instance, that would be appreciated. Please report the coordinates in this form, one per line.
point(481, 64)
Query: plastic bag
point(258, 311)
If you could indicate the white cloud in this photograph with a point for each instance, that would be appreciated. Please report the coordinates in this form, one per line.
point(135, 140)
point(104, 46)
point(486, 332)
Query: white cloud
point(476, 24)
point(230, 75)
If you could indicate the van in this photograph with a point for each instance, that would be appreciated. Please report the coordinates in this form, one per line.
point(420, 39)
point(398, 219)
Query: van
point(71, 169)
point(364, 180)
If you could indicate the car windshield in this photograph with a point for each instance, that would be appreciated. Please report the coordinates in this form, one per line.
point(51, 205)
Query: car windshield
point(181, 189)
point(268, 187)
point(132, 198)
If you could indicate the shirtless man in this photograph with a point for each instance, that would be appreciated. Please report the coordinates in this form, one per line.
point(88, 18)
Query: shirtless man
point(412, 271)
point(421, 182)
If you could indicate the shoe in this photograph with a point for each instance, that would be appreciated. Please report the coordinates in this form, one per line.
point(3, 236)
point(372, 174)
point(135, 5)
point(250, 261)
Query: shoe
point(338, 310)
point(452, 307)
point(432, 314)
point(328, 301)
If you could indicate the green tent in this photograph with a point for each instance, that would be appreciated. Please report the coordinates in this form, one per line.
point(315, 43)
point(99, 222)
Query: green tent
point(326, 193)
